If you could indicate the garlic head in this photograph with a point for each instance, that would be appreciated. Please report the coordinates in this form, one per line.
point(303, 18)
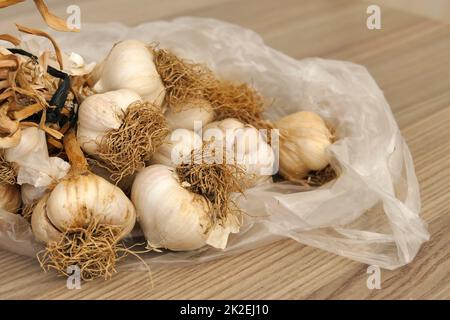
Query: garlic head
point(101, 113)
point(177, 148)
point(304, 138)
point(129, 65)
point(171, 216)
point(76, 201)
point(246, 144)
point(196, 110)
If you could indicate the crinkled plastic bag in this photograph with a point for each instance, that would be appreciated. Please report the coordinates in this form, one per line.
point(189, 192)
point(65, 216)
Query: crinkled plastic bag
point(370, 213)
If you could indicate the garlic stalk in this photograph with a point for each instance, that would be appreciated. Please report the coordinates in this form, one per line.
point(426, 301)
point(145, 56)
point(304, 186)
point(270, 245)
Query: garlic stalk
point(185, 116)
point(246, 145)
point(304, 138)
point(177, 148)
point(171, 216)
point(9, 197)
point(129, 65)
point(86, 205)
point(101, 113)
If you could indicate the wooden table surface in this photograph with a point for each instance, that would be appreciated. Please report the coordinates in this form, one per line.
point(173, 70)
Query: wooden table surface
point(410, 59)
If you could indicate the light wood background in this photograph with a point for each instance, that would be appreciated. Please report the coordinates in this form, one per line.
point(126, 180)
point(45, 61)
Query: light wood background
point(409, 58)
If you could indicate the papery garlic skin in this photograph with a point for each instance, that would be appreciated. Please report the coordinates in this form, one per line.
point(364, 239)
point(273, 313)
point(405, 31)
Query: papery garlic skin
point(304, 139)
point(129, 65)
point(30, 194)
point(35, 166)
point(177, 148)
point(246, 144)
point(199, 111)
point(9, 197)
point(75, 65)
point(100, 113)
point(76, 201)
point(171, 216)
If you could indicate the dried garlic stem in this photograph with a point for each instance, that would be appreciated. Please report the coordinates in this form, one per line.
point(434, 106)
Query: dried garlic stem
point(76, 157)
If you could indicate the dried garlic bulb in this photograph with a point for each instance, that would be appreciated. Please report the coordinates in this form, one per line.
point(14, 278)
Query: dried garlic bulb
point(129, 65)
point(120, 130)
point(177, 148)
point(247, 145)
point(9, 197)
point(171, 216)
point(101, 113)
point(185, 116)
point(79, 199)
point(82, 220)
point(304, 138)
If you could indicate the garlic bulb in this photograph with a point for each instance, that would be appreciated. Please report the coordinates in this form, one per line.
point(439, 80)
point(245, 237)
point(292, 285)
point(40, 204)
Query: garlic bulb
point(101, 113)
point(76, 201)
point(80, 199)
point(197, 110)
point(35, 166)
point(245, 143)
point(9, 197)
point(129, 65)
point(304, 138)
point(173, 217)
point(177, 148)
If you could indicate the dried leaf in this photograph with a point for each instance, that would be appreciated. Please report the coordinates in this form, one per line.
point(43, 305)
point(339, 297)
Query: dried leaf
point(27, 111)
point(7, 37)
point(7, 3)
point(52, 21)
point(41, 33)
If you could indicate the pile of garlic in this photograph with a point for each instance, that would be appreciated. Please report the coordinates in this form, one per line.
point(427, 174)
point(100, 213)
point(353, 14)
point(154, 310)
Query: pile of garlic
point(67, 196)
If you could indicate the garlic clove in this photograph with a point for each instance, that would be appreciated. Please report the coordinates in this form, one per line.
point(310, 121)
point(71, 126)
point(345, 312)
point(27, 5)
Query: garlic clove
point(43, 229)
point(177, 148)
point(192, 112)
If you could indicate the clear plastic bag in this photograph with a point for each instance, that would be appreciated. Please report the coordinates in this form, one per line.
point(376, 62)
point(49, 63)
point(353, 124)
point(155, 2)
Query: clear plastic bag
point(370, 213)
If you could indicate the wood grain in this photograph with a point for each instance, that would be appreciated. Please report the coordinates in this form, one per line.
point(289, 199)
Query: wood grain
point(409, 58)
